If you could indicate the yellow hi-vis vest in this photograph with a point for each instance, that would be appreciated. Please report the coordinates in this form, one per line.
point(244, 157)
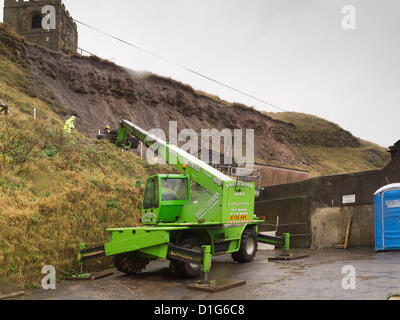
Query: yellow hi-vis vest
point(69, 124)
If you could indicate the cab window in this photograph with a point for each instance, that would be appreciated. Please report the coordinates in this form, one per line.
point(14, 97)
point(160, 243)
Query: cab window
point(156, 195)
point(174, 189)
point(148, 194)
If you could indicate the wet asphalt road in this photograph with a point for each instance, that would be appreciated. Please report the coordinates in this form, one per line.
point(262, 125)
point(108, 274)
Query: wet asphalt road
point(316, 277)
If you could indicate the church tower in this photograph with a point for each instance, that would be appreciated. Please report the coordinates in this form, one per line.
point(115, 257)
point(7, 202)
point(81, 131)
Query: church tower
point(45, 22)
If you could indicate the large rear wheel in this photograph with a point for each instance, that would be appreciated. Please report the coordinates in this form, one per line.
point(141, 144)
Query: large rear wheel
point(186, 269)
point(129, 263)
point(248, 247)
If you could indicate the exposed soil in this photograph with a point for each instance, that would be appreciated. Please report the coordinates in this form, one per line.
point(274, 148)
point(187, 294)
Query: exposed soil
point(100, 93)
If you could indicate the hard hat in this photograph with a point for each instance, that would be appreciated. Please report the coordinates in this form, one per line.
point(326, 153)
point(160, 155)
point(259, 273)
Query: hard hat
point(73, 117)
point(107, 127)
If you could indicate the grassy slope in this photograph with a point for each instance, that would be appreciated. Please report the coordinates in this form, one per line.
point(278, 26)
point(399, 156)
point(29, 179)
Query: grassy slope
point(324, 160)
point(56, 190)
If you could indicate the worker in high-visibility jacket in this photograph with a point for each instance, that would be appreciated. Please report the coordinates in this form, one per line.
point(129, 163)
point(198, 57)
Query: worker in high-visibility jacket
point(70, 125)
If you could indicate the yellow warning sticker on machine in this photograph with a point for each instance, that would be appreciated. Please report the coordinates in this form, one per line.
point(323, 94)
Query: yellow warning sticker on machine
point(238, 217)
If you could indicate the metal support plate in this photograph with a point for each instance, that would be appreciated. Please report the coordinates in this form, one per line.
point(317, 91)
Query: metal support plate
point(92, 276)
point(288, 258)
point(216, 285)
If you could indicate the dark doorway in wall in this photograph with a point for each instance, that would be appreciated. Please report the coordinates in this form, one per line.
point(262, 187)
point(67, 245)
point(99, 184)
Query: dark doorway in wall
point(37, 21)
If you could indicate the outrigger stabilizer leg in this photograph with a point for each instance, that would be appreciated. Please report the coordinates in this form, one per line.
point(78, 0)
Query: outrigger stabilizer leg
point(85, 254)
point(206, 266)
point(208, 285)
point(280, 242)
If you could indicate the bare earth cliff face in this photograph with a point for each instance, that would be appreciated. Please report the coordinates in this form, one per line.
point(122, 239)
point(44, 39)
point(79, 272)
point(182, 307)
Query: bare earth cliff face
point(101, 93)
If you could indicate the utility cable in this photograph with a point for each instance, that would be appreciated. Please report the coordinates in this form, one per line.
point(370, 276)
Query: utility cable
point(181, 66)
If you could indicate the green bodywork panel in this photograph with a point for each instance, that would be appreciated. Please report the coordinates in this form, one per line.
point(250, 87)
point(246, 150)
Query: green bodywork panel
point(153, 241)
point(234, 204)
point(136, 239)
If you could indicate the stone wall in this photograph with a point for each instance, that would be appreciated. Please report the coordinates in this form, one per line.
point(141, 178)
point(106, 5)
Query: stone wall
point(291, 215)
point(328, 226)
point(322, 223)
point(275, 175)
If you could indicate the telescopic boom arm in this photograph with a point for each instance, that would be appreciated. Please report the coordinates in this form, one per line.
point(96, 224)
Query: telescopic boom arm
point(199, 171)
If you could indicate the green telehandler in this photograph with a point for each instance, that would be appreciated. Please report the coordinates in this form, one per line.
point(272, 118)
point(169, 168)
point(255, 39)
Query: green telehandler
point(186, 218)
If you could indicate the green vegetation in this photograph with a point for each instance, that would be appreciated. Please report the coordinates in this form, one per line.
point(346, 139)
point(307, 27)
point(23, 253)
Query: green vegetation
point(56, 190)
point(59, 190)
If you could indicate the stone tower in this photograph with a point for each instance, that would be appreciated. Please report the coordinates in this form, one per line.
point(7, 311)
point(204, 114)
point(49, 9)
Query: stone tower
point(45, 22)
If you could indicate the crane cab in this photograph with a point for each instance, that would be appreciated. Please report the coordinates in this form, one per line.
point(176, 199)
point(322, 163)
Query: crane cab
point(164, 198)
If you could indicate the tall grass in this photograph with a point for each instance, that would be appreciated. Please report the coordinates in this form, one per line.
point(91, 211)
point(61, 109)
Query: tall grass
point(59, 190)
point(56, 190)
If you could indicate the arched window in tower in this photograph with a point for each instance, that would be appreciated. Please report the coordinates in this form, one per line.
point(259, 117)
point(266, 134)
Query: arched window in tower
point(37, 21)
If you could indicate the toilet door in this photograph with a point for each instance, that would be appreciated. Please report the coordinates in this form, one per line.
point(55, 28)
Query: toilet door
point(391, 219)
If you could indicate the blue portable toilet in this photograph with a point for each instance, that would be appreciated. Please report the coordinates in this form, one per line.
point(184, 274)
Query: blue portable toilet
point(387, 218)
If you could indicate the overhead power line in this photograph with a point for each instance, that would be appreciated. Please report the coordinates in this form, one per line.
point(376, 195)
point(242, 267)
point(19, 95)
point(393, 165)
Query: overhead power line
point(181, 66)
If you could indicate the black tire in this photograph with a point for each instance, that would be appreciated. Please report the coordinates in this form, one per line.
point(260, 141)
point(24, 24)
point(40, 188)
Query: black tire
point(186, 269)
point(248, 247)
point(129, 263)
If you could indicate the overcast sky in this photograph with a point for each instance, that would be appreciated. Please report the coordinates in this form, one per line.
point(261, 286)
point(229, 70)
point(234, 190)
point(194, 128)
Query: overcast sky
point(292, 53)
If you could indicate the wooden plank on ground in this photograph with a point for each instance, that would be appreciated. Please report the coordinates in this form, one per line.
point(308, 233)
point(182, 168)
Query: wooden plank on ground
point(348, 233)
point(346, 244)
point(12, 295)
